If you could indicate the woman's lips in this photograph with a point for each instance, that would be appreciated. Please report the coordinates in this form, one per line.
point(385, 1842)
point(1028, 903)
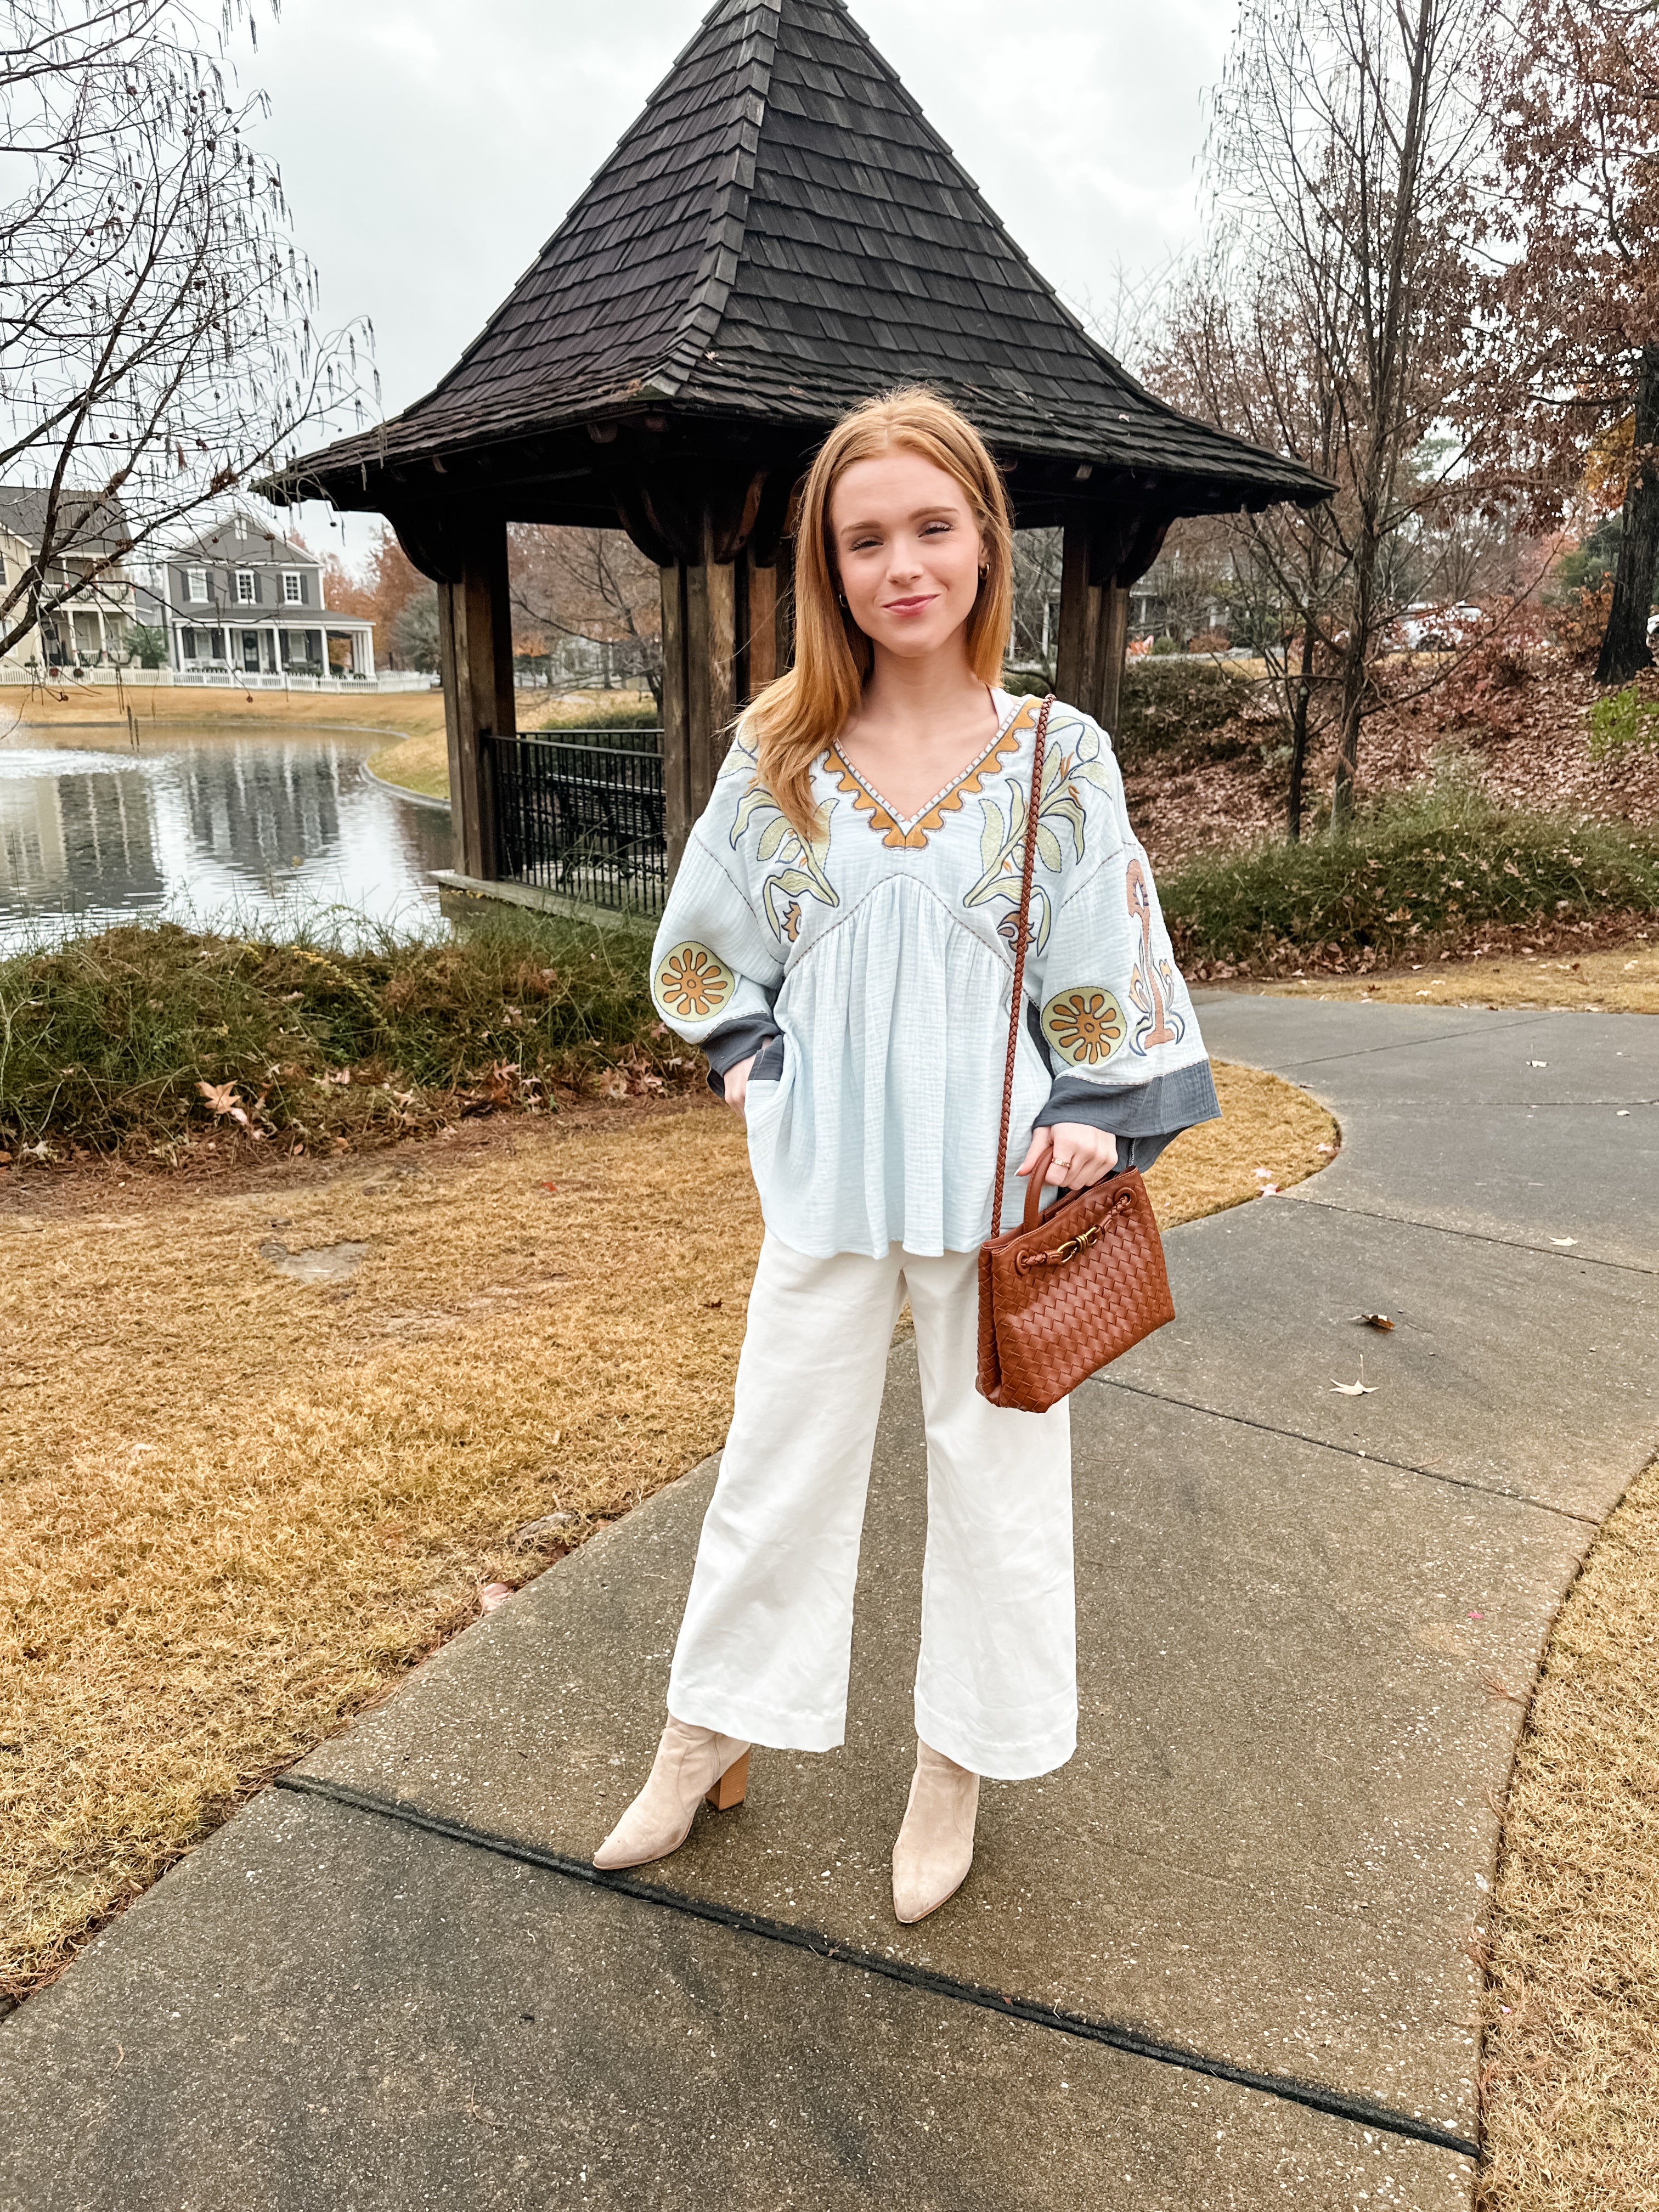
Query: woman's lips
point(911, 606)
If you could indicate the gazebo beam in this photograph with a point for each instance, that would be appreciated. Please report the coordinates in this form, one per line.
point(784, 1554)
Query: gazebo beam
point(476, 640)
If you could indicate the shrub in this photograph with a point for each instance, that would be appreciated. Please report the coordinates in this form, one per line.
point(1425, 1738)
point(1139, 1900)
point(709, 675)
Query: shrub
point(1182, 712)
point(1488, 685)
point(1578, 625)
point(1621, 719)
point(1416, 876)
point(1210, 640)
point(144, 1035)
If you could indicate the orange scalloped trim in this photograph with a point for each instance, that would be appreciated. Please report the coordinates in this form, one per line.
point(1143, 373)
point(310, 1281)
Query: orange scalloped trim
point(949, 802)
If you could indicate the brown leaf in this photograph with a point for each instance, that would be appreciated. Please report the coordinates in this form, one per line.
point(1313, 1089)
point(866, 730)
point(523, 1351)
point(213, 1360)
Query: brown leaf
point(1374, 1320)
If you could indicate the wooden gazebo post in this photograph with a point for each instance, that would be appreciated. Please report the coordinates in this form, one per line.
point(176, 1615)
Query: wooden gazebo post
point(720, 642)
point(475, 631)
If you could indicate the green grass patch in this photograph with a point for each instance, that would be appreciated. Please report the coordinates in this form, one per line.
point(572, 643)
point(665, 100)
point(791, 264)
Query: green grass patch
point(145, 1037)
point(1416, 876)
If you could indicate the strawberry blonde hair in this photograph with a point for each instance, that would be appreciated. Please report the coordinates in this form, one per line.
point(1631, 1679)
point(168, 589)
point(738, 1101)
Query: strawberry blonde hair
point(795, 719)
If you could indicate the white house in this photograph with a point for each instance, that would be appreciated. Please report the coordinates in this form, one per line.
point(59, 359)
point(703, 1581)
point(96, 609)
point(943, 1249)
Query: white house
point(92, 625)
point(244, 598)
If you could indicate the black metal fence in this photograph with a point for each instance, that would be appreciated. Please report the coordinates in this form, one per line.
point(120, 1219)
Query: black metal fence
point(581, 818)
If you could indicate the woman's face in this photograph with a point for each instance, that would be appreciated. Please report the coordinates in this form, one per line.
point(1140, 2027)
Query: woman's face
point(907, 551)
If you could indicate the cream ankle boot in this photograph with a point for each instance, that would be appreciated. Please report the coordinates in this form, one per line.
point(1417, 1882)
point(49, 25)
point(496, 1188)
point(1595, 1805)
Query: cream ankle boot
point(691, 1763)
point(935, 1846)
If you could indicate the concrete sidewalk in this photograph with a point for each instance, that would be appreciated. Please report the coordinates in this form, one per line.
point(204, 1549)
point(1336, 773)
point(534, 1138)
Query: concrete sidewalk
point(1216, 1961)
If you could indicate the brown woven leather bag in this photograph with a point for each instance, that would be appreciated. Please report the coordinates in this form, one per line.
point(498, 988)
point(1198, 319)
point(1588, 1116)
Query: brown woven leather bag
point(1069, 1290)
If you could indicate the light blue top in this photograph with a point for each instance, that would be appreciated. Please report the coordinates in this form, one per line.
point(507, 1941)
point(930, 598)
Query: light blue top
point(882, 956)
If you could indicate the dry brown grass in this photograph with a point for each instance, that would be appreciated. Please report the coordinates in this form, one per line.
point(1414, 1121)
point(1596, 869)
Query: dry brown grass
point(421, 763)
point(1571, 2058)
point(234, 1506)
point(220, 709)
point(1623, 980)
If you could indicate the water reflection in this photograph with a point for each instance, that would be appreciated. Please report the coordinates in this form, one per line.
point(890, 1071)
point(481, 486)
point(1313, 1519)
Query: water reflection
point(208, 828)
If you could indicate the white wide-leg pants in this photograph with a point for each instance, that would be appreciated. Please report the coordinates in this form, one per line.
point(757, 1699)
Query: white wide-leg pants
point(766, 1640)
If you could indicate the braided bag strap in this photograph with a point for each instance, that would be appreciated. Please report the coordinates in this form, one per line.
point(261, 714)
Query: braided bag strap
point(1018, 1008)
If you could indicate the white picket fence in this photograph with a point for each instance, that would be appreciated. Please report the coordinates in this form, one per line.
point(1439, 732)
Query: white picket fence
point(224, 679)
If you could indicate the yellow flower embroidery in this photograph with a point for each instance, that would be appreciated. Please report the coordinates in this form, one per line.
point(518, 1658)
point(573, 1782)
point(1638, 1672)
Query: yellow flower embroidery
point(1085, 1025)
point(692, 983)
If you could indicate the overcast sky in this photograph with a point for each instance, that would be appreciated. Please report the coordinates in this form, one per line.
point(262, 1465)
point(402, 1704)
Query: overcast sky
point(430, 150)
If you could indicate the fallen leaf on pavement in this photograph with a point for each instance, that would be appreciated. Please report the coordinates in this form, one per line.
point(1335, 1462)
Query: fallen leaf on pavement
point(1374, 1320)
point(1354, 1389)
point(1564, 1240)
point(490, 1594)
point(1496, 1686)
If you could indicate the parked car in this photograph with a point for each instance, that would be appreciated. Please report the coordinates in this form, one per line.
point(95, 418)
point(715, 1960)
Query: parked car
point(1427, 628)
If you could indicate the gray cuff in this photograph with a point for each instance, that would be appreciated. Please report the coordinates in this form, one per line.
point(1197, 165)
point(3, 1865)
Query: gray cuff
point(732, 1042)
point(1149, 1115)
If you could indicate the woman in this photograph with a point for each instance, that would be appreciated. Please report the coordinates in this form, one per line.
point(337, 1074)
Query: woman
point(837, 943)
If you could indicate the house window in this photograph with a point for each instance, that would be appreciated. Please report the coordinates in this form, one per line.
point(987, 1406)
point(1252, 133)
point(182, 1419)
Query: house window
point(245, 588)
point(294, 588)
point(195, 584)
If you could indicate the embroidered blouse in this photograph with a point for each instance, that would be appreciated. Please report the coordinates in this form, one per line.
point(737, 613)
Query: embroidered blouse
point(878, 958)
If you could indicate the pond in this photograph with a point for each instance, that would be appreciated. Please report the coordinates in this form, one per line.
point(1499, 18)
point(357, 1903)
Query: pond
point(208, 826)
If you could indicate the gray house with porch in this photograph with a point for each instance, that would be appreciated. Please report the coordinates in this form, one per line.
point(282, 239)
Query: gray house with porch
point(244, 598)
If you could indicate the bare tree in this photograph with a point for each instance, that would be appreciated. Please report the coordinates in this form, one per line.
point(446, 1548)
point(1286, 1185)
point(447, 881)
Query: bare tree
point(1332, 315)
point(1572, 300)
point(158, 343)
point(593, 584)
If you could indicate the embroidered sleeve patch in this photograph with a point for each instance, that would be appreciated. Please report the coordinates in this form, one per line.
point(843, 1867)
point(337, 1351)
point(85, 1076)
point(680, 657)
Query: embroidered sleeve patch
point(692, 983)
point(1085, 1025)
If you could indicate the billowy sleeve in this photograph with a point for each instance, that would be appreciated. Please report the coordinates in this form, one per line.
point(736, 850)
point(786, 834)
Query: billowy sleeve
point(715, 968)
point(1104, 999)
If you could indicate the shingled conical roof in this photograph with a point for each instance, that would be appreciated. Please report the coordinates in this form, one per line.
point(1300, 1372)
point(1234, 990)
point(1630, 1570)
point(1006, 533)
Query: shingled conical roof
point(780, 234)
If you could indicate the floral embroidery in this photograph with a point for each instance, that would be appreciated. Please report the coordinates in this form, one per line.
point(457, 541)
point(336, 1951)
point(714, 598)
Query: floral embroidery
point(801, 871)
point(1002, 843)
point(1151, 983)
point(912, 837)
point(692, 983)
point(1087, 1025)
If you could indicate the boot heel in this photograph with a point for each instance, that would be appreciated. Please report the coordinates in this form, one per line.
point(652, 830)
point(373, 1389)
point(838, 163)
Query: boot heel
point(732, 1787)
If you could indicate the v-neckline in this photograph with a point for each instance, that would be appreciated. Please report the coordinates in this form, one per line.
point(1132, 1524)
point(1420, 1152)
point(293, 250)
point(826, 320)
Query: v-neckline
point(906, 825)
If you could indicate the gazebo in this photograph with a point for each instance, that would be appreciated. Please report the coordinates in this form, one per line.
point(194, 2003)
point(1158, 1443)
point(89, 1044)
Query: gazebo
point(779, 235)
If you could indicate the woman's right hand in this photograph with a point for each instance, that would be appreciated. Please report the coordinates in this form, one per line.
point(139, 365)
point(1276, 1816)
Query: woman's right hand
point(736, 1083)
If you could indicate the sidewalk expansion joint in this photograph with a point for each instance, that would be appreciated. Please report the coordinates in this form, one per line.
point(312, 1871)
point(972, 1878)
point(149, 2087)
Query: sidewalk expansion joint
point(1364, 2112)
point(1470, 1236)
point(1348, 1451)
point(1405, 1044)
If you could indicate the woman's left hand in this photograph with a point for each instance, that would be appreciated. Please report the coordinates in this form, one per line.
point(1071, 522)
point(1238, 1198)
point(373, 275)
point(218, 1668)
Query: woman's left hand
point(1070, 1155)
